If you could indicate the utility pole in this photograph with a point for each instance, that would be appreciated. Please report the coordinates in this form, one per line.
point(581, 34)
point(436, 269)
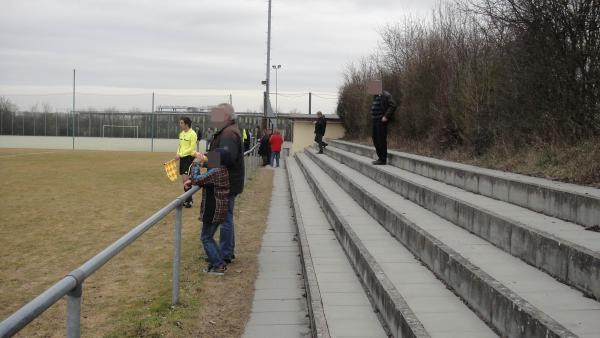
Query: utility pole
point(73, 110)
point(309, 102)
point(152, 126)
point(266, 94)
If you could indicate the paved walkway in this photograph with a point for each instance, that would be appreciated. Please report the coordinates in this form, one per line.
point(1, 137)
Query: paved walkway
point(279, 307)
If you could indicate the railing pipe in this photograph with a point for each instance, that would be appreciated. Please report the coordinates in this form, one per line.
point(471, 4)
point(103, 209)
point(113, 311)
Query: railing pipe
point(18, 320)
point(176, 256)
point(74, 312)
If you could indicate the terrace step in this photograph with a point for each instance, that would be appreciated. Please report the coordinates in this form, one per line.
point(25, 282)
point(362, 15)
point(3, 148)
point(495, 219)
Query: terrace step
point(339, 305)
point(411, 299)
point(570, 202)
point(562, 249)
point(512, 297)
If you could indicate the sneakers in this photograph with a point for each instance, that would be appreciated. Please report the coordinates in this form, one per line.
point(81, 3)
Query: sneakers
point(187, 204)
point(379, 162)
point(213, 270)
point(229, 260)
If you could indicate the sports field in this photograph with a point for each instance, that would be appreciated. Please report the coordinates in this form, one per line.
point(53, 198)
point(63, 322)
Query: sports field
point(59, 208)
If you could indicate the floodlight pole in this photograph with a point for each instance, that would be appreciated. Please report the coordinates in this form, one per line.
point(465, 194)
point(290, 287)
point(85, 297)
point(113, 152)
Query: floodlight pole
point(266, 95)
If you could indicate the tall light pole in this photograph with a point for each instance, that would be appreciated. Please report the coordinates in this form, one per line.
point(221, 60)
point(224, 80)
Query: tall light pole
point(266, 94)
point(276, 67)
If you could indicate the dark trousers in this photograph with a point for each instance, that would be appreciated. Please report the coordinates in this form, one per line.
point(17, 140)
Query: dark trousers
point(319, 140)
point(380, 139)
point(211, 248)
point(227, 240)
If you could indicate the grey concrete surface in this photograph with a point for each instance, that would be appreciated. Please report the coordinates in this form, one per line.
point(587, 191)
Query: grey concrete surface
point(279, 308)
point(318, 321)
point(494, 283)
point(91, 143)
point(563, 249)
point(344, 304)
point(570, 202)
point(440, 313)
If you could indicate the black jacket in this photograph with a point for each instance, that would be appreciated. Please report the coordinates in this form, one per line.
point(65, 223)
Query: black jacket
point(265, 147)
point(230, 139)
point(387, 109)
point(320, 126)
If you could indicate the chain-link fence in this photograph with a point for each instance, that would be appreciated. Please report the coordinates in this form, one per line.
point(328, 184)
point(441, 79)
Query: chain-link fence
point(116, 124)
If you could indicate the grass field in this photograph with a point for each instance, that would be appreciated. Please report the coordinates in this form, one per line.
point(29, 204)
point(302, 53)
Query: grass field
point(59, 208)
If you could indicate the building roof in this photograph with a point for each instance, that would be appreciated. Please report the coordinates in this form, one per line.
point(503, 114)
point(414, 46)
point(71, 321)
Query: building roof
point(309, 117)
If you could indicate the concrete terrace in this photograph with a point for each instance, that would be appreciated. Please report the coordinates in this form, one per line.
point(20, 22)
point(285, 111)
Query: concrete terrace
point(424, 248)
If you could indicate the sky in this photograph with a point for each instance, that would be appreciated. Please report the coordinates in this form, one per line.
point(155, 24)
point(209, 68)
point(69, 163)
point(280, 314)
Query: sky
point(188, 52)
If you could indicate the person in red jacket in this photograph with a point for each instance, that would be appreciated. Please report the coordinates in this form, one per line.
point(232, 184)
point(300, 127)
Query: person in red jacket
point(275, 141)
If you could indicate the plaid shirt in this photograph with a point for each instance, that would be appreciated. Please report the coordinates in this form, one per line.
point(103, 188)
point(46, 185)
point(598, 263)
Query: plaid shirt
point(219, 179)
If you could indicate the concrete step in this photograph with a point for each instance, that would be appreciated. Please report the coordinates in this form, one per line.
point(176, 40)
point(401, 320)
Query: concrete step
point(339, 306)
point(278, 308)
point(411, 299)
point(573, 203)
point(514, 298)
point(562, 249)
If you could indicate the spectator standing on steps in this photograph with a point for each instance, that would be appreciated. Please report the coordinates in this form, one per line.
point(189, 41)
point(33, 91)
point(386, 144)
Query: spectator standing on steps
point(185, 153)
point(382, 111)
point(320, 126)
point(229, 138)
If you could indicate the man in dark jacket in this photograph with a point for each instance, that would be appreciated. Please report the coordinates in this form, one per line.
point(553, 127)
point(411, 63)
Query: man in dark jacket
point(264, 149)
point(382, 110)
point(320, 126)
point(229, 138)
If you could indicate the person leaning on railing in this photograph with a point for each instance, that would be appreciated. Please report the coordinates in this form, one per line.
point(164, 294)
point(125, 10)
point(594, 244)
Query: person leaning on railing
point(215, 203)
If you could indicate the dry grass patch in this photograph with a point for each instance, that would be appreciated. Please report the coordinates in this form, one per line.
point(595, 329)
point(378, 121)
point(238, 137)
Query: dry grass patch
point(576, 163)
point(58, 209)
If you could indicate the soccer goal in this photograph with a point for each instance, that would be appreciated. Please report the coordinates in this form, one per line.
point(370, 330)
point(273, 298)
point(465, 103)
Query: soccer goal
point(123, 128)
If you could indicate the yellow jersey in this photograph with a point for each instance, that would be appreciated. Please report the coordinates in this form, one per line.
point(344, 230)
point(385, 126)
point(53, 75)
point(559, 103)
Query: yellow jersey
point(187, 143)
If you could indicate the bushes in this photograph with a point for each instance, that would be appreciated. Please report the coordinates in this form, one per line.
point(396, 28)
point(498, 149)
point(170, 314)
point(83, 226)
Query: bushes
point(484, 73)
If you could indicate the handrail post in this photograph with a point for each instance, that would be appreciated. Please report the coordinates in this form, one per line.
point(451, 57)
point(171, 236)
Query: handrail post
point(74, 312)
point(176, 255)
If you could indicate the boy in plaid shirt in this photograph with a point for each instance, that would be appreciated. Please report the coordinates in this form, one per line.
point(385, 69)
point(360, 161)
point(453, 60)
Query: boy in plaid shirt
point(213, 210)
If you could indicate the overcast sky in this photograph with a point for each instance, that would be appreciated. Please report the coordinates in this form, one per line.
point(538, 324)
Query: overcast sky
point(190, 52)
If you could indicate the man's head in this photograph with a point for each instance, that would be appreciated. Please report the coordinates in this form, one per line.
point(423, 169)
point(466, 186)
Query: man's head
point(185, 123)
point(319, 114)
point(222, 115)
point(374, 87)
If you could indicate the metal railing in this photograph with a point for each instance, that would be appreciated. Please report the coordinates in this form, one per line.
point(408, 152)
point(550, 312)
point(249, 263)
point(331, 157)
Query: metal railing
point(72, 284)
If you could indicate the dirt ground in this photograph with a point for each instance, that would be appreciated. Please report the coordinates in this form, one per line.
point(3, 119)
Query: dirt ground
point(59, 208)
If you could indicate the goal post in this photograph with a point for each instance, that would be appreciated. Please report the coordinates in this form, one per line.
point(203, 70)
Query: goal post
point(104, 126)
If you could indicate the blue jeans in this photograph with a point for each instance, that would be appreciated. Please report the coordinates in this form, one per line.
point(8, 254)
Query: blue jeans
point(213, 252)
point(228, 231)
point(274, 156)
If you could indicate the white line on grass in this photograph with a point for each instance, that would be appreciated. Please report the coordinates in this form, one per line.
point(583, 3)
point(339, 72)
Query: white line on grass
point(25, 154)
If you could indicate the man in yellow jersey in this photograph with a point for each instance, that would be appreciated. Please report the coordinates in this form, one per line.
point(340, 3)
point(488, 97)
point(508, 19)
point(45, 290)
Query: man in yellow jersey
point(186, 153)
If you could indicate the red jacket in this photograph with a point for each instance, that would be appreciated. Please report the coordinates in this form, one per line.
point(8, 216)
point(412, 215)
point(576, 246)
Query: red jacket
point(276, 141)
